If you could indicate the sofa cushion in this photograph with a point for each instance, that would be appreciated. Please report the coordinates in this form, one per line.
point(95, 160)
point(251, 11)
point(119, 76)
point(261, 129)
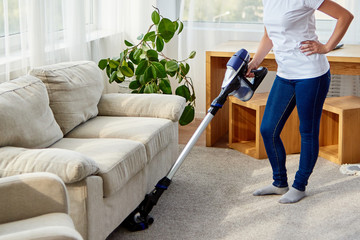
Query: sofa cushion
point(118, 159)
point(154, 133)
point(74, 90)
point(44, 227)
point(142, 105)
point(26, 119)
point(70, 166)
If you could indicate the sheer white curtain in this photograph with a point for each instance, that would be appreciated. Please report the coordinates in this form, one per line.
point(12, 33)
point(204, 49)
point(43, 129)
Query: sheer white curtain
point(204, 35)
point(40, 32)
point(353, 34)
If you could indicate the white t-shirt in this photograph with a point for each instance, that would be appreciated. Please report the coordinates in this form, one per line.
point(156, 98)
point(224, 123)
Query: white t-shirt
point(288, 23)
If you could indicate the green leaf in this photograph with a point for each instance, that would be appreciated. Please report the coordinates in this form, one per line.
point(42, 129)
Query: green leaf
point(124, 63)
point(113, 63)
point(119, 74)
point(108, 71)
point(149, 89)
point(148, 75)
point(142, 80)
point(192, 55)
point(160, 70)
point(131, 57)
point(138, 53)
point(159, 44)
point(163, 62)
point(171, 66)
point(141, 67)
point(155, 17)
point(184, 69)
point(127, 43)
point(165, 86)
point(153, 71)
point(122, 55)
point(183, 91)
point(140, 37)
point(150, 36)
point(166, 29)
point(119, 80)
point(155, 87)
point(113, 76)
point(181, 27)
point(102, 64)
point(187, 116)
point(134, 84)
point(126, 71)
point(171, 74)
point(131, 66)
point(152, 55)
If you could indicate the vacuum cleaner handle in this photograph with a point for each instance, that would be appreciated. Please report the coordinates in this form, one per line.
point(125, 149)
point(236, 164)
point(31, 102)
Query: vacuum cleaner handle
point(260, 74)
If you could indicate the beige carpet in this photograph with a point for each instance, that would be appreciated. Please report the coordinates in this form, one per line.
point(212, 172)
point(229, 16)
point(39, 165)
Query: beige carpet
point(211, 198)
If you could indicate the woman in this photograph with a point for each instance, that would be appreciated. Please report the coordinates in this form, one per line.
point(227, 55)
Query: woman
point(302, 80)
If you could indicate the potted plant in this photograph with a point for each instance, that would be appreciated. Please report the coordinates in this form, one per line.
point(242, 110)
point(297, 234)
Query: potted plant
point(149, 70)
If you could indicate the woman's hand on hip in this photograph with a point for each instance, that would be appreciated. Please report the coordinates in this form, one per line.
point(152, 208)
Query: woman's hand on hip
point(310, 47)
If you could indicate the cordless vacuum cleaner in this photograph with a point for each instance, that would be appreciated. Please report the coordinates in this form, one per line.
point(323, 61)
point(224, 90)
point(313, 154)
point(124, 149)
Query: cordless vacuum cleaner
point(234, 83)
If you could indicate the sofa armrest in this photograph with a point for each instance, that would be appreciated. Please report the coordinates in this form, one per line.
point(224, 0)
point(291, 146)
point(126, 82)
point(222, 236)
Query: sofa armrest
point(70, 166)
point(142, 105)
point(33, 194)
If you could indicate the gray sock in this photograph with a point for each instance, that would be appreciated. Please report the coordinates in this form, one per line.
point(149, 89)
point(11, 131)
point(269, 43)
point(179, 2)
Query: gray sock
point(270, 190)
point(292, 196)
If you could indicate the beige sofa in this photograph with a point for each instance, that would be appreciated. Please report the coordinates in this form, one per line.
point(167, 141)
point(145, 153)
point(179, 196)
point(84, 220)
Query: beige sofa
point(42, 214)
point(109, 149)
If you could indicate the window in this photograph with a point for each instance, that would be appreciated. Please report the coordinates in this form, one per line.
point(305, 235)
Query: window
point(240, 16)
point(39, 32)
point(10, 15)
point(230, 11)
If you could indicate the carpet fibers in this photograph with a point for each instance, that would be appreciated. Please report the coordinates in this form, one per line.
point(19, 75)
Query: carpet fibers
point(211, 198)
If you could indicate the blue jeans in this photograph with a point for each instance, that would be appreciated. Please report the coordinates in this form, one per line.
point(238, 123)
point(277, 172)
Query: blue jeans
point(308, 95)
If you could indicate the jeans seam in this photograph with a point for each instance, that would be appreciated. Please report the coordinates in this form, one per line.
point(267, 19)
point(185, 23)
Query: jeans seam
point(313, 119)
point(312, 124)
point(273, 137)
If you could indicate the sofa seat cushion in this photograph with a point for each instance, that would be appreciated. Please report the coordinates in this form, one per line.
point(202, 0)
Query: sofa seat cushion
point(48, 226)
point(26, 119)
point(118, 159)
point(74, 89)
point(154, 133)
point(70, 166)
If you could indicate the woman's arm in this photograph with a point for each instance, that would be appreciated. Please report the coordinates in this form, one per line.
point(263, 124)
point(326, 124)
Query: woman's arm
point(263, 49)
point(344, 18)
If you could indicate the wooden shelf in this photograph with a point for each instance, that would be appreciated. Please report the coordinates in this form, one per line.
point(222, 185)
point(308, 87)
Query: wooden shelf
point(247, 147)
point(244, 127)
point(330, 152)
point(340, 130)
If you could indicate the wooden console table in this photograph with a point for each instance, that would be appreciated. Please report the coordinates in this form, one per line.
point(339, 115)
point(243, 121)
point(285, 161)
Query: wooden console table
point(344, 61)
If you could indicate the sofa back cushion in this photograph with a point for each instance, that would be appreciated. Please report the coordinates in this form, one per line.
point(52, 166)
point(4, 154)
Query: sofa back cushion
point(26, 119)
point(74, 90)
